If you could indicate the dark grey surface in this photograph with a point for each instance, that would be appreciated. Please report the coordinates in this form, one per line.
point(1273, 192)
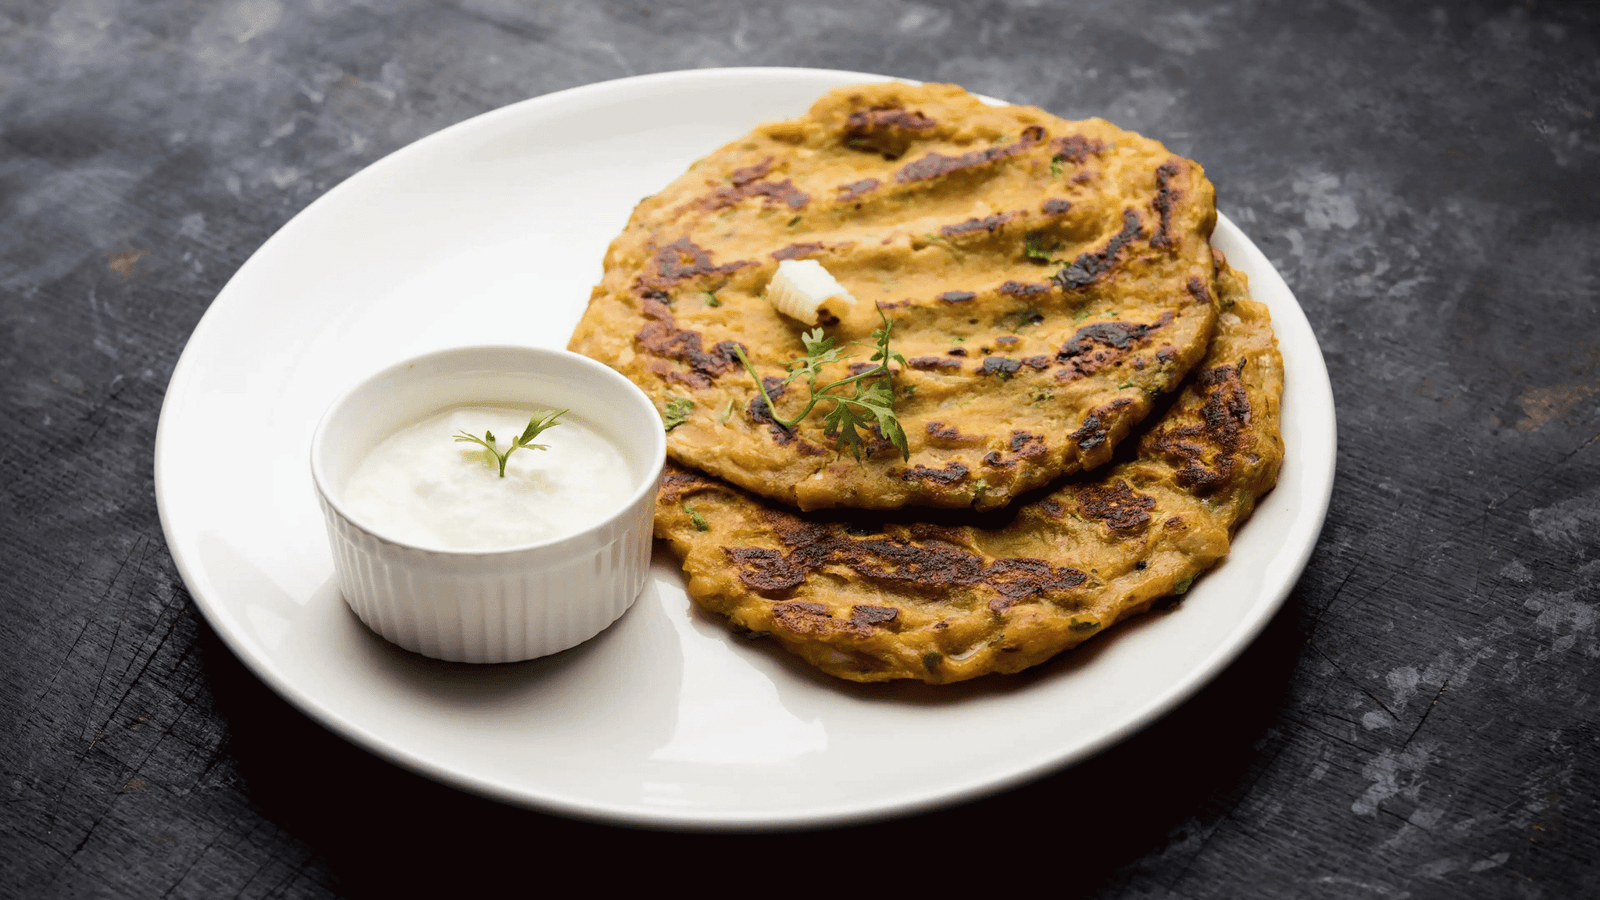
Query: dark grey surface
point(1419, 721)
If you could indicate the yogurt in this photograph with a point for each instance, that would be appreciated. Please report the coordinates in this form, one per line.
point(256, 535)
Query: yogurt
point(422, 487)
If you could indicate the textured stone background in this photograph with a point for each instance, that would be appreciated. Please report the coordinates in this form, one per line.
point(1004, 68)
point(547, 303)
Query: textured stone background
point(1419, 721)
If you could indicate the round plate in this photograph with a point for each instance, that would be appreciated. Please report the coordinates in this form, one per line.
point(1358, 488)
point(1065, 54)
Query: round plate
point(493, 231)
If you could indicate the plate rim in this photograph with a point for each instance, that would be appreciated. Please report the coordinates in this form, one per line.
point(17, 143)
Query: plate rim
point(388, 749)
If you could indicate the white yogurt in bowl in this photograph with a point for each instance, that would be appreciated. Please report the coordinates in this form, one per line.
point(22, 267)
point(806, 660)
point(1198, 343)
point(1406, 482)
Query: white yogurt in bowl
point(437, 553)
point(424, 487)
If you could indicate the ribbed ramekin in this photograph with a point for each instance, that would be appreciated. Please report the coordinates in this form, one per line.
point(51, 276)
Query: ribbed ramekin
point(503, 605)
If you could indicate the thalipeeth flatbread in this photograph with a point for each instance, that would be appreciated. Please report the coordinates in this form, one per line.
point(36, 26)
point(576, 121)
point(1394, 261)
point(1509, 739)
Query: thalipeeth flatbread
point(1047, 281)
point(877, 597)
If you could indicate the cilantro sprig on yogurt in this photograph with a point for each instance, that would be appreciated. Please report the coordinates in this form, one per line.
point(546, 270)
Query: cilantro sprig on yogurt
point(536, 425)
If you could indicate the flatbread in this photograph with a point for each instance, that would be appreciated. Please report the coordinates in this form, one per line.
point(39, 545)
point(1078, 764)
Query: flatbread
point(875, 597)
point(1047, 280)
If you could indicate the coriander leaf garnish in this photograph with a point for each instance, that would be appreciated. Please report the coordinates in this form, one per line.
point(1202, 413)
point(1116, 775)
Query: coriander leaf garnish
point(535, 426)
point(1055, 166)
point(871, 405)
point(677, 412)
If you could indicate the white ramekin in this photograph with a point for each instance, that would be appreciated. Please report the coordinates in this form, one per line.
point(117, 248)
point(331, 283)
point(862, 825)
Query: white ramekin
point(491, 606)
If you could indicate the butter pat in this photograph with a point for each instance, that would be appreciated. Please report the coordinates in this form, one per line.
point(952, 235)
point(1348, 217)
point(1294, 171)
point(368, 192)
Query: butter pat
point(803, 290)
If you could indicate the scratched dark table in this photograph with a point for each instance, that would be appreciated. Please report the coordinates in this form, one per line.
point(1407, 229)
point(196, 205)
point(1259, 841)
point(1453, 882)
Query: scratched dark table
point(1418, 721)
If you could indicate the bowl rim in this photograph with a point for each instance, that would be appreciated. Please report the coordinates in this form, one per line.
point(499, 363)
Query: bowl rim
point(647, 486)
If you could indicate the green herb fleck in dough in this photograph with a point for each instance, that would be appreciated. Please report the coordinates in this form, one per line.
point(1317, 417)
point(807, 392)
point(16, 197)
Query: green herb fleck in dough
point(677, 412)
point(936, 240)
point(1041, 255)
point(699, 521)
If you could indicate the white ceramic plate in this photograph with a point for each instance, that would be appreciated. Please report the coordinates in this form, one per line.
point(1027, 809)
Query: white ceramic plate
point(493, 231)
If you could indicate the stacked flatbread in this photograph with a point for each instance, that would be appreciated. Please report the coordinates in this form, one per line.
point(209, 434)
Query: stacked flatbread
point(1090, 399)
